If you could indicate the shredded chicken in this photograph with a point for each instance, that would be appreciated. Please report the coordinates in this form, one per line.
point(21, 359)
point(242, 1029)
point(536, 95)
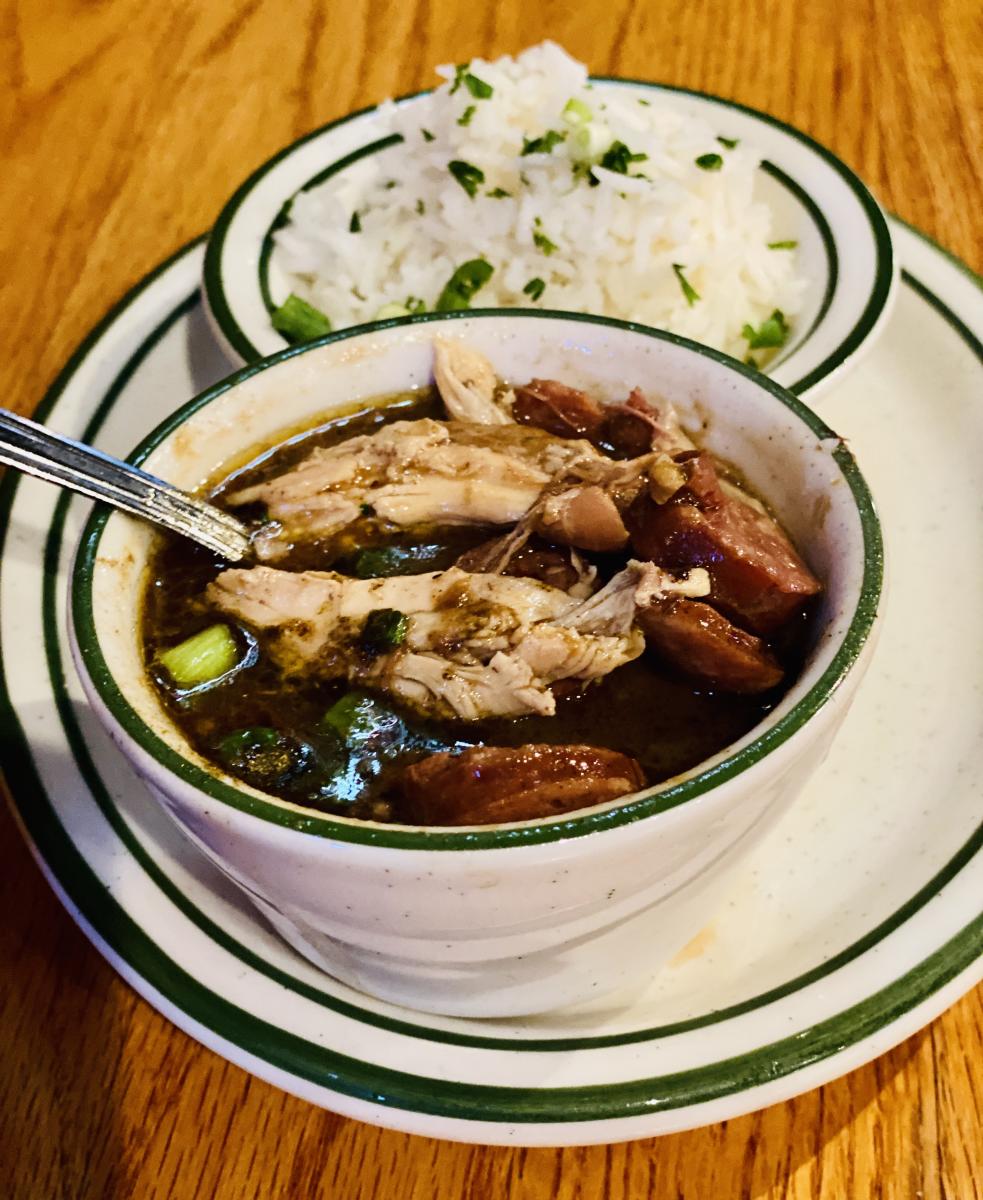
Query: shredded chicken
point(466, 382)
point(477, 645)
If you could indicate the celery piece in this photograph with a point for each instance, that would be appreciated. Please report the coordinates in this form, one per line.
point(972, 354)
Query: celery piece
point(299, 321)
point(202, 658)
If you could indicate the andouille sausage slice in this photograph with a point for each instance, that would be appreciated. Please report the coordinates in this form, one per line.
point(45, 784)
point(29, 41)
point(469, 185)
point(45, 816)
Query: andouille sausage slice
point(563, 411)
point(702, 643)
point(756, 575)
point(489, 785)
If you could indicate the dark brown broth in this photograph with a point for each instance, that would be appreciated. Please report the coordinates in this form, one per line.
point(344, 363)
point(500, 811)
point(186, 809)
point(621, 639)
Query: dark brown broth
point(642, 709)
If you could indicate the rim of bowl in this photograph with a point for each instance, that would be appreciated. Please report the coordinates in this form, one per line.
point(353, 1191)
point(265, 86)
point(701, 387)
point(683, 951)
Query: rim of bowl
point(220, 307)
point(659, 798)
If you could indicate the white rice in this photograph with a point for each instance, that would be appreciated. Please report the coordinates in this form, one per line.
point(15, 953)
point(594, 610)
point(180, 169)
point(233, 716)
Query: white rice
point(615, 243)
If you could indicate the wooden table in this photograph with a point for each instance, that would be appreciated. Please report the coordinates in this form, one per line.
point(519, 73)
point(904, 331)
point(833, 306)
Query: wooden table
point(129, 126)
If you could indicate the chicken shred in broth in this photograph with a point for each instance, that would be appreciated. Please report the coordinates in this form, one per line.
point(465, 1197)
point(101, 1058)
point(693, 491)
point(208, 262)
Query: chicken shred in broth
point(475, 605)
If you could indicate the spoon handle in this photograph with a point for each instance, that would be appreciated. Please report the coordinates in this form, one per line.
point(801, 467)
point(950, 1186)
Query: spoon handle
point(38, 451)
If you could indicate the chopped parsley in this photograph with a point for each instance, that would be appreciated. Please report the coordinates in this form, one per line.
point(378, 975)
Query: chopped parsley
point(366, 510)
point(771, 333)
point(499, 193)
point(355, 224)
point(709, 162)
point(534, 288)
point(299, 321)
point(469, 278)
point(427, 135)
point(690, 292)
point(617, 158)
point(544, 144)
point(465, 117)
point(791, 244)
point(477, 87)
point(730, 143)
point(541, 240)
point(467, 175)
point(582, 170)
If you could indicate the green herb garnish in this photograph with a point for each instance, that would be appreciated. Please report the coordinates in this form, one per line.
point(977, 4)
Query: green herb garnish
point(477, 87)
point(789, 245)
point(499, 194)
point(541, 240)
point(645, 103)
point(366, 510)
point(427, 135)
point(465, 117)
point(534, 288)
point(299, 321)
point(421, 208)
point(730, 143)
point(617, 158)
point(709, 162)
point(383, 631)
point(576, 112)
point(467, 175)
point(469, 278)
point(769, 335)
point(542, 145)
point(415, 305)
point(202, 658)
point(690, 292)
point(582, 170)
point(355, 224)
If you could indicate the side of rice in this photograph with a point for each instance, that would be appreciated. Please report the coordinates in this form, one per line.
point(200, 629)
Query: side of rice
point(652, 236)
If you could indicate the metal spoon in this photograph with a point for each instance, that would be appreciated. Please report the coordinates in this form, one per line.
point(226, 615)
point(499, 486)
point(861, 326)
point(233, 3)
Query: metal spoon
point(32, 448)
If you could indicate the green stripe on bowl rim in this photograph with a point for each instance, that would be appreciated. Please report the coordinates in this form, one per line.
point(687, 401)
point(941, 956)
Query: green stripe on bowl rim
point(648, 803)
point(883, 278)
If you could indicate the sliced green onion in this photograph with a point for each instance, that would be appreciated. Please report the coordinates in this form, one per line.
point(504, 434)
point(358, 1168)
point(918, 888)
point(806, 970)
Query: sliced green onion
point(356, 717)
point(542, 145)
point(427, 135)
point(576, 112)
point(534, 288)
point(771, 333)
point(382, 562)
point(355, 224)
point(384, 630)
point(389, 311)
point(499, 194)
point(477, 87)
point(299, 321)
point(465, 117)
point(469, 278)
point(415, 304)
point(467, 175)
point(730, 143)
point(709, 162)
point(690, 292)
point(791, 244)
point(264, 757)
point(202, 658)
point(617, 158)
point(540, 239)
point(589, 141)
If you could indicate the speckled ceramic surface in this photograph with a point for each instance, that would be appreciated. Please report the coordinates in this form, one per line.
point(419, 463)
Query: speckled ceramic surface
point(852, 926)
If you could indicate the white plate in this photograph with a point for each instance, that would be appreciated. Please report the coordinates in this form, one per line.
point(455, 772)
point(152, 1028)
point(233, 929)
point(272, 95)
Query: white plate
point(857, 923)
point(844, 241)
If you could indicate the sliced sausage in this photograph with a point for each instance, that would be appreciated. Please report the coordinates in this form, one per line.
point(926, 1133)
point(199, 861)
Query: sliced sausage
point(488, 785)
point(702, 643)
point(757, 577)
point(563, 411)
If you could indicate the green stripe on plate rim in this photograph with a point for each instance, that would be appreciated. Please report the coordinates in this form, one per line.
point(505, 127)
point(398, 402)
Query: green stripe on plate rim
point(110, 923)
point(884, 275)
point(648, 803)
point(776, 173)
point(105, 803)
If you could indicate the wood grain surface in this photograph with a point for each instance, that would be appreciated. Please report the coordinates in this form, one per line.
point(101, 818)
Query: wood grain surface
point(125, 125)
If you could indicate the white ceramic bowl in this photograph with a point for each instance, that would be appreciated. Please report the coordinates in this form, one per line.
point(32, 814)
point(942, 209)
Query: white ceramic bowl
point(516, 918)
point(844, 242)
